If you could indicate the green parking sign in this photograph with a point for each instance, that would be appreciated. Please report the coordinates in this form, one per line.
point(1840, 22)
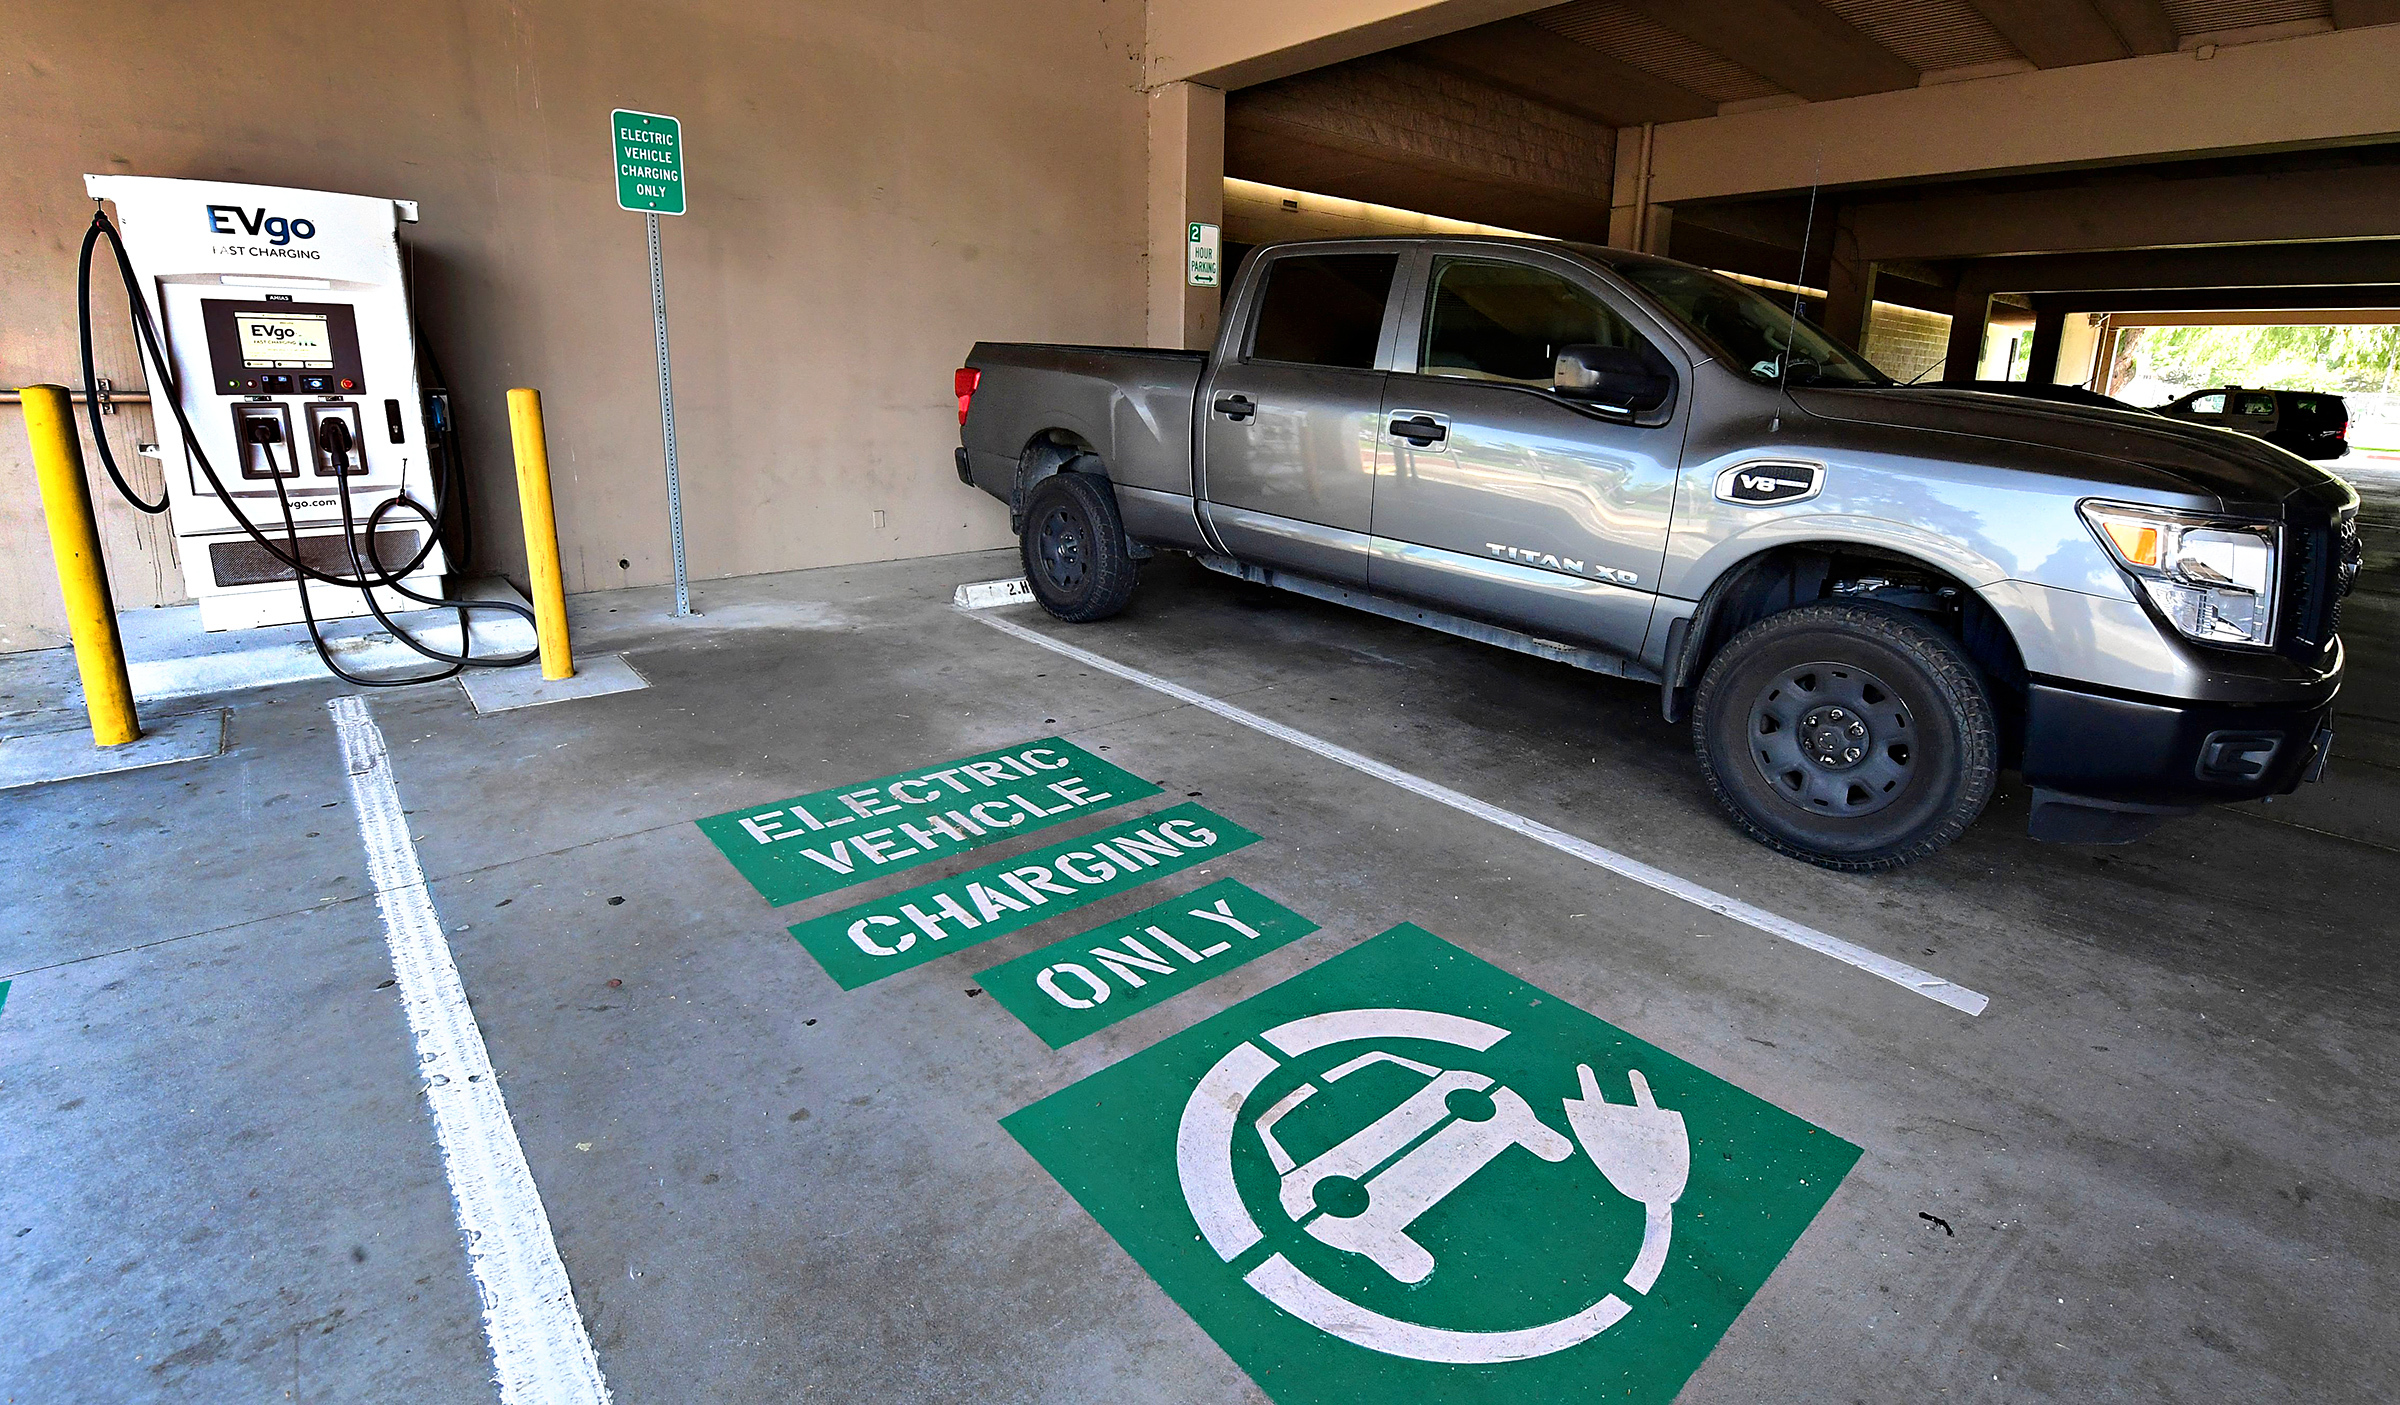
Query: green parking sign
point(649, 161)
point(1405, 1174)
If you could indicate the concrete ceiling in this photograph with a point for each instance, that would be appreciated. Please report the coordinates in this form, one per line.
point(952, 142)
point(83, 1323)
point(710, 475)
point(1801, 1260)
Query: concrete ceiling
point(1516, 122)
point(1626, 62)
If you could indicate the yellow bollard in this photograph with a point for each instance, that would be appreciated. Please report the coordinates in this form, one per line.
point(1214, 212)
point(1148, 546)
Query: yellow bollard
point(541, 532)
point(82, 576)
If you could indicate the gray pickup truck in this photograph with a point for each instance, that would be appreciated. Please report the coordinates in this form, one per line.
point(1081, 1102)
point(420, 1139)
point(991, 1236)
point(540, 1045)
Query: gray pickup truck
point(1869, 598)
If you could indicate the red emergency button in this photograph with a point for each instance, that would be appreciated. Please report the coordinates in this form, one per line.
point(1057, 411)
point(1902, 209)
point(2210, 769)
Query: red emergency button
point(349, 384)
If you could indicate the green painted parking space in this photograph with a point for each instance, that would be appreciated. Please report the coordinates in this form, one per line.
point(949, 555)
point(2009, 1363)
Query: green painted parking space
point(1404, 1174)
point(830, 839)
point(1090, 981)
point(888, 935)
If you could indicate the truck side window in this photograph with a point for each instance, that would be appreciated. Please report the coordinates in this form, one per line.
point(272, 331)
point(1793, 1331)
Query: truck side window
point(1324, 310)
point(2212, 403)
point(2254, 405)
point(1505, 322)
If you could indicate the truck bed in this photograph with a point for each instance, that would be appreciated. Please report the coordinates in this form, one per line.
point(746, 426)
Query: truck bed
point(1131, 405)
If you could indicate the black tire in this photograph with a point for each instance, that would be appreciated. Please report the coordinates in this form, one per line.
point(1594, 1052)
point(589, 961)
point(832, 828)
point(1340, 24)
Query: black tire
point(1073, 547)
point(1854, 737)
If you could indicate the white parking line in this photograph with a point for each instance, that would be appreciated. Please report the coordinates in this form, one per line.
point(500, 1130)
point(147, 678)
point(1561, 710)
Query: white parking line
point(1899, 973)
point(540, 1351)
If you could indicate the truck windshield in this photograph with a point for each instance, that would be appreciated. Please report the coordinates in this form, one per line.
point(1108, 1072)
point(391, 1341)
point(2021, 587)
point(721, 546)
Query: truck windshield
point(1755, 335)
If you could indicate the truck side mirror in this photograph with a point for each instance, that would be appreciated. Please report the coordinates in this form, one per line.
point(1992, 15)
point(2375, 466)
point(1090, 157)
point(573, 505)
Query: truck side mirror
point(1630, 380)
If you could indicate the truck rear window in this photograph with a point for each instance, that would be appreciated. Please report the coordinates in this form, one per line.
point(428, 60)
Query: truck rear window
point(1324, 309)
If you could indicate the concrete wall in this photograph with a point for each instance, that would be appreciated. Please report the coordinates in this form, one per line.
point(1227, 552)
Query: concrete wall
point(1905, 343)
point(1258, 214)
point(1398, 132)
point(874, 186)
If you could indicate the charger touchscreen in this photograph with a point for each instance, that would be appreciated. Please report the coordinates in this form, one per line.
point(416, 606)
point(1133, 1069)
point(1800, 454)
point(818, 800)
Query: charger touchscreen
point(284, 339)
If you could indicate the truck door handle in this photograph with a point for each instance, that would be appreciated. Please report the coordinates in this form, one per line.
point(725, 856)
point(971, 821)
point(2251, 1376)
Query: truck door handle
point(1420, 431)
point(1236, 407)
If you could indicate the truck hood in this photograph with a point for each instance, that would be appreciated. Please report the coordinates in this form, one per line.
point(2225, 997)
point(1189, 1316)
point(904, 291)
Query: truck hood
point(2234, 468)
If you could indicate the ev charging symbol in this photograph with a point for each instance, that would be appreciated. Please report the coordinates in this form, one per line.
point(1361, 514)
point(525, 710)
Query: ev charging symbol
point(1362, 1195)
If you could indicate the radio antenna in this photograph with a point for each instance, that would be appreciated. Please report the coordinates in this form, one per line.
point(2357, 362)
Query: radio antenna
point(1783, 363)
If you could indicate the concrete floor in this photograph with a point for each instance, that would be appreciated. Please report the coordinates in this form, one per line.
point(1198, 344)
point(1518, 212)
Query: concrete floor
point(2166, 1149)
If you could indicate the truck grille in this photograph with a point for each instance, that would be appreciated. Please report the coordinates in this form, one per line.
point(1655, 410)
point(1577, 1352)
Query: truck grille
point(2324, 562)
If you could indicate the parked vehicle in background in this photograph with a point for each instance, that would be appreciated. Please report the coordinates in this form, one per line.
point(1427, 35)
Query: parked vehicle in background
point(1868, 597)
point(2310, 423)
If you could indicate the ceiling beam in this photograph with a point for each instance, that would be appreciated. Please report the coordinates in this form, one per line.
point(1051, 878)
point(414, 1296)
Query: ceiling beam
point(2362, 13)
point(2312, 90)
point(2143, 24)
point(2355, 14)
point(1798, 45)
point(2337, 270)
point(2054, 33)
point(1233, 44)
point(2133, 211)
point(2355, 297)
point(1534, 63)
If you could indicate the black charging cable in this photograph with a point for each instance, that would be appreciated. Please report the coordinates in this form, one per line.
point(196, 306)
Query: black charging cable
point(369, 571)
point(371, 574)
point(336, 439)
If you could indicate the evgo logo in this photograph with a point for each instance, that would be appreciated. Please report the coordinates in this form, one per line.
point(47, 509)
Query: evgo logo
point(223, 219)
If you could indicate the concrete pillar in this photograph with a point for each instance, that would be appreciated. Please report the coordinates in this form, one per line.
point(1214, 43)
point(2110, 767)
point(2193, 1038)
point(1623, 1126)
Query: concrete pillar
point(1970, 313)
point(2104, 367)
point(1633, 221)
point(2049, 326)
point(1187, 185)
point(1658, 226)
point(2079, 349)
point(1849, 287)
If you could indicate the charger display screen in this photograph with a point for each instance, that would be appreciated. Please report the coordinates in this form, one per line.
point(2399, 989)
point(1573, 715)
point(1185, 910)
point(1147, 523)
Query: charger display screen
point(277, 346)
point(276, 340)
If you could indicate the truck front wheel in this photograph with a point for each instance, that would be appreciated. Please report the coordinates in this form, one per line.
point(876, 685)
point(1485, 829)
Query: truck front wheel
point(1073, 545)
point(1856, 737)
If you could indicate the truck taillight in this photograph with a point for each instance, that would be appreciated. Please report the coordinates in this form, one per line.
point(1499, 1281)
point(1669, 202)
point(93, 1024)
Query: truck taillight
point(963, 382)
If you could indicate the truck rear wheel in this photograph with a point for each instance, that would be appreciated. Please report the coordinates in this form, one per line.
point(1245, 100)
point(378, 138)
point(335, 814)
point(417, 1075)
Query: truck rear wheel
point(1073, 546)
point(1856, 737)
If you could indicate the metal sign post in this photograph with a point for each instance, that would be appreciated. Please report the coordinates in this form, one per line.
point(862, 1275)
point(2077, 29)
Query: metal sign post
point(649, 158)
point(666, 420)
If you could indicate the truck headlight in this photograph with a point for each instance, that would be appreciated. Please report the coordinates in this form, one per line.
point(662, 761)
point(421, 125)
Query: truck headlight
point(2212, 577)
